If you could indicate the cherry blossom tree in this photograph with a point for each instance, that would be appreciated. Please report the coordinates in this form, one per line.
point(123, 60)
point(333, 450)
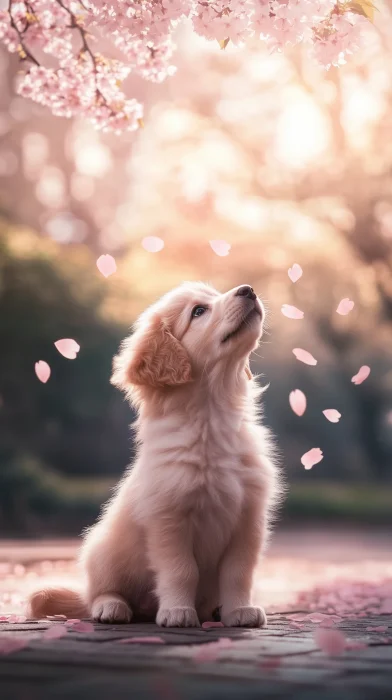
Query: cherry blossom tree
point(57, 43)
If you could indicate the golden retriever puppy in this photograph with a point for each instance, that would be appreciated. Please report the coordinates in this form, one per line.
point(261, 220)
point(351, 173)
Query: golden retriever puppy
point(183, 533)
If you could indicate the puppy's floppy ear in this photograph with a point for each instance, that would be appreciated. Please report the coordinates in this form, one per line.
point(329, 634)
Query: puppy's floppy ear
point(152, 356)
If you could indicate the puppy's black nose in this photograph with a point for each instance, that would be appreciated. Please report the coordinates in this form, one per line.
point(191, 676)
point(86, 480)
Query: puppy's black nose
point(245, 291)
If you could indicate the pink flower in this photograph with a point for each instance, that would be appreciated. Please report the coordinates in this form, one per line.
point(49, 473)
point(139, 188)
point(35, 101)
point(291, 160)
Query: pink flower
point(297, 400)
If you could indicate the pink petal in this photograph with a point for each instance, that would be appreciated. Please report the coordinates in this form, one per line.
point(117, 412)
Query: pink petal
point(15, 619)
point(210, 625)
point(56, 617)
point(332, 415)
point(298, 617)
point(141, 640)
point(211, 650)
point(380, 628)
point(345, 306)
point(153, 244)
point(292, 312)
point(297, 625)
point(80, 626)
point(295, 272)
point(297, 400)
point(314, 456)
point(106, 264)
point(42, 371)
point(221, 248)
point(273, 662)
point(332, 642)
point(72, 621)
point(351, 646)
point(317, 617)
point(9, 645)
point(304, 356)
point(362, 374)
point(67, 347)
point(55, 632)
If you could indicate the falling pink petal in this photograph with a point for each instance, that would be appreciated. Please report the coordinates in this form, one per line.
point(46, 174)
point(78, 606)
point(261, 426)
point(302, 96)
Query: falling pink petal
point(106, 264)
point(304, 356)
point(55, 632)
point(297, 400)
point(295, 272)
point(211, 650)
point(362, 374)
point(210, 625)
point(380, 628)
point(332, 415)
point(292, 312)
point(68, 348)
point(80, 626)
point(153, 244)
point(141, 640)
point(42, 371)
point(10, 645)
point(221, 248)
point(345, 306)
point(314, 456)
point(332, 642)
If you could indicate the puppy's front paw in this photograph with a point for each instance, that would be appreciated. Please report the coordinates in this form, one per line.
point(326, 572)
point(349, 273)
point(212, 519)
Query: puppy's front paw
point(248, 616)
point(177, 617)
point(110, 609)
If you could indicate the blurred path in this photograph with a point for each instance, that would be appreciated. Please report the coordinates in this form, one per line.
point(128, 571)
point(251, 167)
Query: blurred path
point(329, 595)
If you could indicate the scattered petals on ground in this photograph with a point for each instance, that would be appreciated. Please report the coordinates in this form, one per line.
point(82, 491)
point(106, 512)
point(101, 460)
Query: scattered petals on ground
point(297, 400)
point(361, 375)
point(292, 312)
point(272, 663)
point(332, 642)
point(295, 272)
point(153, 244)
point(221, 248)
point(42, 371)
point(211, 625)
point(344, 307)
point(55, 632)
point(379, 628)
point(312, 457)
point(67, 347)
point(304, 356)
point(106, 264)
point(332, 415)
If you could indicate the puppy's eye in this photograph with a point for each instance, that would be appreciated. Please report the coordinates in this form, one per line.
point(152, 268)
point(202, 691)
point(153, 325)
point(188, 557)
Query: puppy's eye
point(198, 311)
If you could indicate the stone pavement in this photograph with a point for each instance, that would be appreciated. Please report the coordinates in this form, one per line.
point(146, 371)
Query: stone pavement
point(279, 662)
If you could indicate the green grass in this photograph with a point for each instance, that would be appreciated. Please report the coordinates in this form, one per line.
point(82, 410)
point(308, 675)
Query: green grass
point(365, 503)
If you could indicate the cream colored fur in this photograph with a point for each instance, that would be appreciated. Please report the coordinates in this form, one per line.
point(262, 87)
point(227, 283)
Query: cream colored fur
point(183, 533)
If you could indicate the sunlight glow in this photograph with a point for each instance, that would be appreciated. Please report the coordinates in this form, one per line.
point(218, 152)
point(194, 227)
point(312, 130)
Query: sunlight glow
point(302, 133)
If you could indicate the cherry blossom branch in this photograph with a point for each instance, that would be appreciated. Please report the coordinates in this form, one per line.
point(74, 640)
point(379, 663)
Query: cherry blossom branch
point(23, 48)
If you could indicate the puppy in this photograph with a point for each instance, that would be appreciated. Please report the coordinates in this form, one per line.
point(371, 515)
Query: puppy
point(184, 530)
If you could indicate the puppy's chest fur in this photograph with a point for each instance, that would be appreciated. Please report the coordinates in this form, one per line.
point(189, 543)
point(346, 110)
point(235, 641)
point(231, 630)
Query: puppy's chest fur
point(202, 475)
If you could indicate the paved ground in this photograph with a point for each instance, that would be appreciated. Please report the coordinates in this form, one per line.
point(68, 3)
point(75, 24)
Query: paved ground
point(331, 635)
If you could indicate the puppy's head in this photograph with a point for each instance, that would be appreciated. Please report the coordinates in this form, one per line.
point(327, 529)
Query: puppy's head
point(187, 333)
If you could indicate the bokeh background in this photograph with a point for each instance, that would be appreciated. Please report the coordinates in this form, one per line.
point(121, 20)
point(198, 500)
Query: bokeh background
point(283, 160)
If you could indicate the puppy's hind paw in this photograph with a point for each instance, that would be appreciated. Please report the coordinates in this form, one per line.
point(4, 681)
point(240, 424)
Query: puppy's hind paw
point(247, 616)
point(177, 617)
point(111, 608)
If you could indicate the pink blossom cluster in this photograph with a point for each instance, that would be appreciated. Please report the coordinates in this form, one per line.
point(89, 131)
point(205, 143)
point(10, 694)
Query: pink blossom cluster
point(55, 42)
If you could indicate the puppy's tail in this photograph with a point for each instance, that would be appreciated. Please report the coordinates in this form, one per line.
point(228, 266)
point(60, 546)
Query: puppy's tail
point(57, 601)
